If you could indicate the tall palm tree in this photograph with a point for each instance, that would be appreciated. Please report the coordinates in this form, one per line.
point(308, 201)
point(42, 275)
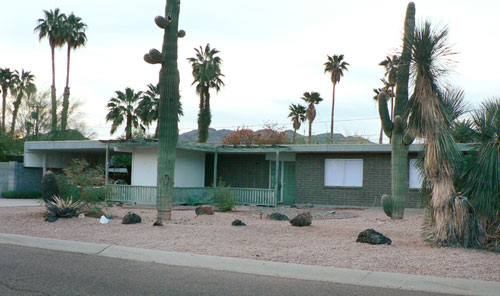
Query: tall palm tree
point(52, 28)
point(336, 66)
point(207, 74)
point(7, 83)
point(123, 107)
point(391, 70)
point(298, 115)
point(24, 87)
point(431, 120)
point(149, 106)
point(74, 37)
point(311, 98)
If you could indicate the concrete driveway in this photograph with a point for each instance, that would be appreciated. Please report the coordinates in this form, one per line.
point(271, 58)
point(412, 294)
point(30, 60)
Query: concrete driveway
point(7, 202)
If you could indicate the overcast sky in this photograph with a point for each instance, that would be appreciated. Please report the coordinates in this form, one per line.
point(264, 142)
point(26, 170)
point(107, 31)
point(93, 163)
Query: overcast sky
point(272, 52)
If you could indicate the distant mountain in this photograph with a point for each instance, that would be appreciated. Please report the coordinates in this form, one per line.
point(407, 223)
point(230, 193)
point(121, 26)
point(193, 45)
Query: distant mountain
point(216, 136)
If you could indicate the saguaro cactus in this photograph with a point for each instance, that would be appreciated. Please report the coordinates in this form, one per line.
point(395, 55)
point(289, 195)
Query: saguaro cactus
point(168, 130)
point(397, 130)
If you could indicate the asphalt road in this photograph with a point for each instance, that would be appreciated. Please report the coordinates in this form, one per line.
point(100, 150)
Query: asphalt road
point(31, 271)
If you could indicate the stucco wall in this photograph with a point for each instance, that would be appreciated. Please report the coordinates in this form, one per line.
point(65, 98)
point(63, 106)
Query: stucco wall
point(189, 167)
point(310, 169)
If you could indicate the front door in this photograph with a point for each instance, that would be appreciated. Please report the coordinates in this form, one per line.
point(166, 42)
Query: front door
point(286, 177)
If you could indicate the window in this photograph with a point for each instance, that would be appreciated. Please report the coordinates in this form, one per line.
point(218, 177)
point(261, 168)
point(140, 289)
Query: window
point(344, 172)
point(415, 177)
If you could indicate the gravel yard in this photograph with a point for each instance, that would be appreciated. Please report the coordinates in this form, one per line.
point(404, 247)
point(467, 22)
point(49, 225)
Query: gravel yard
point(329, 241)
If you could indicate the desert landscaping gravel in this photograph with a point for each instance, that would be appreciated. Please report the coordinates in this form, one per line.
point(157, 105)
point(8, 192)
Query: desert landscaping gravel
point(329, 241)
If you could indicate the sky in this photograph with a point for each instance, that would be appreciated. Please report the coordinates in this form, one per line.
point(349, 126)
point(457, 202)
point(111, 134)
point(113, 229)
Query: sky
point(272, 50)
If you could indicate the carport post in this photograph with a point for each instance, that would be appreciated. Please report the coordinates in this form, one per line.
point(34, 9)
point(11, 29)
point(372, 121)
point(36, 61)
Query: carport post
point(44, 163)
point(276, 173)
point(214, 184)
point(107, 165)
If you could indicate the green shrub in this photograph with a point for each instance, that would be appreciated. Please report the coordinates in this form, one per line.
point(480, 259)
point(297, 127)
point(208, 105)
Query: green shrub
point(22, 194)
point(81, 182)
point(223, 198)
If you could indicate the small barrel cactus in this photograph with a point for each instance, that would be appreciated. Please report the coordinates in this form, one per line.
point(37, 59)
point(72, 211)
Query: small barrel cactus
point(49, 186)
point(387, 205)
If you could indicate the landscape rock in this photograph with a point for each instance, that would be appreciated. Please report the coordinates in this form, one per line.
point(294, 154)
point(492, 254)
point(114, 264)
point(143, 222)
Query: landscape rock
point(238, 222)
point(277, 216)
point(304, 219)
point(370, 236)
point(204, 210)
point(131, 218)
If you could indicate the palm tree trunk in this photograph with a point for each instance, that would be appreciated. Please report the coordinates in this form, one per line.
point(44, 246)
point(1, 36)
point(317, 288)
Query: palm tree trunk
point(4, 105)
point(310, 127)
point(128, 128)
point(53, 93)
point(333, 108)
point(64, 113)
point(205, 118)
point(294, 133)
point(17, 103)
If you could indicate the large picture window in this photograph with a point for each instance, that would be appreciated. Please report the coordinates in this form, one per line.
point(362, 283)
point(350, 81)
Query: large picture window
point(344, 172)
point(415, 177)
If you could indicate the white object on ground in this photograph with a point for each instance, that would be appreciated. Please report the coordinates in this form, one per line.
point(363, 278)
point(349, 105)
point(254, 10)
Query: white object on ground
point(82, 215)
point(104, 220)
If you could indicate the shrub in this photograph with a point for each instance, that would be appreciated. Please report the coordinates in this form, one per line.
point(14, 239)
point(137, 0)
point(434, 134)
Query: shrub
point(22, 194)
point(223, 198)
point(82, 182)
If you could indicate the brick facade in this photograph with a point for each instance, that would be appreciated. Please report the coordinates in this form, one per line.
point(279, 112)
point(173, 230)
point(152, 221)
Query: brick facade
point(310, 169)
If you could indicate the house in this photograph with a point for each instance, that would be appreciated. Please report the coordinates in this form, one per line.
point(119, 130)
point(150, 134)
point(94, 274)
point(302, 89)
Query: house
point(343, 175)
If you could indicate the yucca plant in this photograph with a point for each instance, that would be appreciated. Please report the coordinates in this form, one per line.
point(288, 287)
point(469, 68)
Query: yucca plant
point(62, 208)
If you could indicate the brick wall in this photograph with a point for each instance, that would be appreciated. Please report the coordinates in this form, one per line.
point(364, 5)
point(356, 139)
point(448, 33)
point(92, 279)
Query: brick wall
point(239, 170)
point(376, 181)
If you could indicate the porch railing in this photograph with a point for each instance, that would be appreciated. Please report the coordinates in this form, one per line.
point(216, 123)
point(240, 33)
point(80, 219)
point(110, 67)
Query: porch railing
point(146, 195)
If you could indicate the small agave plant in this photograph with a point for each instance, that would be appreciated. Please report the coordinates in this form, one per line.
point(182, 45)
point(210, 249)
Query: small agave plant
point(62, 208)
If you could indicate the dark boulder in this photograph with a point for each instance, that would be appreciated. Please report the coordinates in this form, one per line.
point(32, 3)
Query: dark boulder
point(373, 237)
point(277, 216)
point(238, 222)
point(304, 219)
point(131, 218)
point(204, 210)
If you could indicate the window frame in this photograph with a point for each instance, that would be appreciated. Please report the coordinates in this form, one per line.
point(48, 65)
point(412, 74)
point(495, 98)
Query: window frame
point(411, 164)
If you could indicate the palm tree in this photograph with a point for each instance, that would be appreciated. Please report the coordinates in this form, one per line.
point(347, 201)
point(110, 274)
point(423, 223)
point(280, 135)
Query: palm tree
point(391, 70)
point(149, 106)
point(24, 87)
point(336, 66)
point(207, 75)
point(122, 107)
point(7, 83)
point(298, 115)
point(311, 98)
point(74, 36)
point(52, 27)
point(431, 120)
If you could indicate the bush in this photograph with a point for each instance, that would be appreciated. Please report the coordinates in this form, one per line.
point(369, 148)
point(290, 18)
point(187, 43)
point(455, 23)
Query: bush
point(223, 198)
point(49, 186)
point(22, 194)
point(82, 183)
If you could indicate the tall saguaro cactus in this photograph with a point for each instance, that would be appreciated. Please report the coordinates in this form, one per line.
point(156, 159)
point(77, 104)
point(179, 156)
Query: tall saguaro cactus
point(397, 130)
point(168, 130)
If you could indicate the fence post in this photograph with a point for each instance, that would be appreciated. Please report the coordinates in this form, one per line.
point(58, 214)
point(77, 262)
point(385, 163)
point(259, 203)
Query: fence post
point(214, 184)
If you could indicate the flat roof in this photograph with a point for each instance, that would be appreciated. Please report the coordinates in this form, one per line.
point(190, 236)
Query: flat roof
point(97, 145)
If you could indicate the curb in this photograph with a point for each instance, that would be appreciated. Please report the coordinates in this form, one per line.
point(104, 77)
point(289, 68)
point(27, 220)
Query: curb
point(266, 268)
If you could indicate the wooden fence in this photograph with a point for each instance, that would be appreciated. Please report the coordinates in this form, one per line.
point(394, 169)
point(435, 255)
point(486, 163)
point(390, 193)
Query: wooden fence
point(146, 195)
